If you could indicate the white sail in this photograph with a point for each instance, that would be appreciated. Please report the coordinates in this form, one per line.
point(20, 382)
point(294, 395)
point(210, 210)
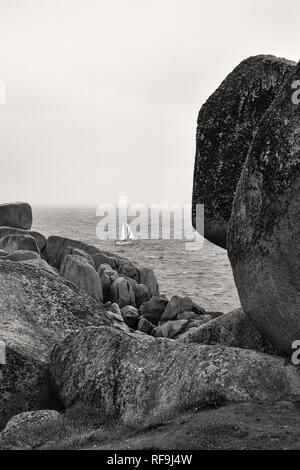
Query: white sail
point(124, 232)
point(129, 233)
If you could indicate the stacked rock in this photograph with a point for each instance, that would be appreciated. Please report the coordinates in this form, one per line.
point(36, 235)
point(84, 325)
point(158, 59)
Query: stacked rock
point(130, 293)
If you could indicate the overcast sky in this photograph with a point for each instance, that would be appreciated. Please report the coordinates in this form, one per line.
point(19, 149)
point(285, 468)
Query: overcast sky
point(103, 95)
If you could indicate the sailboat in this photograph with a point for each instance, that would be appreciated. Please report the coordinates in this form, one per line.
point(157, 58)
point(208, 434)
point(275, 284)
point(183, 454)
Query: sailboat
point(126, 235)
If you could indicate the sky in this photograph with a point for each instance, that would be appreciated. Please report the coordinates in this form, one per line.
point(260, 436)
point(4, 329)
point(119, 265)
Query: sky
point(102, 96)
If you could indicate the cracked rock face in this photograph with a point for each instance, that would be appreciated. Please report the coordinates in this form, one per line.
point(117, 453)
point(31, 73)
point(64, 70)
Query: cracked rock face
point(227, 123)
point(264, 231)
point(132, 377)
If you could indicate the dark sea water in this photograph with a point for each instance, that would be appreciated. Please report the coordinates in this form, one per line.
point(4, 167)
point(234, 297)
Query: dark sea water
point(205, 275)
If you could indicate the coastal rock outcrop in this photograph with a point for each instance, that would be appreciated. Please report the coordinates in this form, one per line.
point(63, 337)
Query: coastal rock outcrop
point(148, 278)
point(77, 269)
point(135, 377)
point(69, 250)
point(17, 214)
point(37, 309)
point(155, 306)
point(176, 306)
point(55, 247)
point(227, 123)
point(171, 329)
point(121, 292)
point(264, 230)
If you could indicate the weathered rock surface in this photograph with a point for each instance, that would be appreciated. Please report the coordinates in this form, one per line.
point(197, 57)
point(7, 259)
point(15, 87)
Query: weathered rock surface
point(131, 316)
point(141, 294)
point(22, 255)
point(37, 309)
point(78, 270)
point(17, 214)
point(135, 377)
point(233, 329)
point(113, 307)
point(39, 263)
point(19, 424)
point(148, 278)
point(264, 231)
point(227, 123)
point(121, 292)
point(11, 243)
point(176, 306)
point(107, 276)
point(155, 306)
point(145, 326)
point(171, 329)
point(3, 253)
point(39, 238)
point(70, 250)
point(122, 326)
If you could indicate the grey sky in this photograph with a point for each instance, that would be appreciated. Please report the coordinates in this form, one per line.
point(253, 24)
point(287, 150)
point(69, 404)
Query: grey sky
point(103, 95)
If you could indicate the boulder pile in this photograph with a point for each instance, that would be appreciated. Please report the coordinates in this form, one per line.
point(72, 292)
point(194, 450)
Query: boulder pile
point(51, 287)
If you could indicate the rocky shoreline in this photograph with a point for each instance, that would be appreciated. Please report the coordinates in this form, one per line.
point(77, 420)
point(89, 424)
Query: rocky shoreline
point(85, 327)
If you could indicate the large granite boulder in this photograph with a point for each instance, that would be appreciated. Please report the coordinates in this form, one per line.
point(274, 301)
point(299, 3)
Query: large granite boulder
point(69, 250)
point(227, 123)
point(37, 309)
point(11, 243)
point(148, 278)
point(133, 377)
point(233, 329)
point(78, 270)
point(264, 230)
point(121, 292)
point(17, 214)
point(177, 305)
point(39, 238)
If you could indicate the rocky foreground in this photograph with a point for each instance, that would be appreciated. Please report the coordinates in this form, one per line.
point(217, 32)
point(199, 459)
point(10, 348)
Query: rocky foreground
point(84, 326)
point(88, 330)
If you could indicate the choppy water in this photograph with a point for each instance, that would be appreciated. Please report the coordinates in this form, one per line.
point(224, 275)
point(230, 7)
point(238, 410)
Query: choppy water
point(205, 274)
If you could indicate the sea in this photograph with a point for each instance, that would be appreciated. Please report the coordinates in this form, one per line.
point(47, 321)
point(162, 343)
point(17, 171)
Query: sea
point(204, 274)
